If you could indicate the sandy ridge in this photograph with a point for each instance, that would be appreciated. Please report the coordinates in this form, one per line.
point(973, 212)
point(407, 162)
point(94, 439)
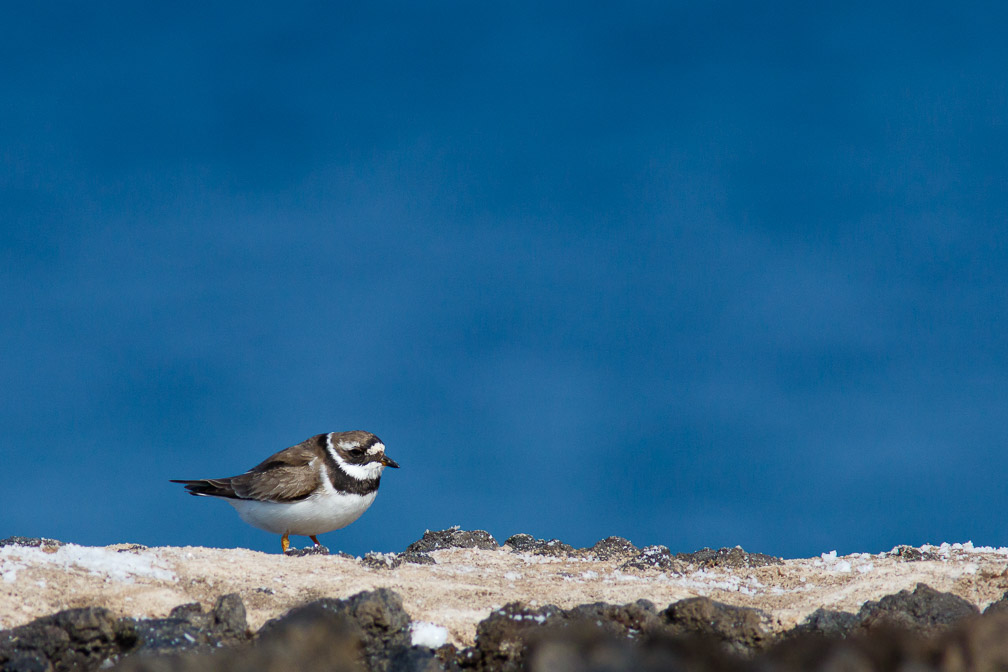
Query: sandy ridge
point(466, 584)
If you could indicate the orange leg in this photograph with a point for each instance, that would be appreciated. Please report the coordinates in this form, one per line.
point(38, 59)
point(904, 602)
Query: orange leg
point(284, 542)
point(315, 539)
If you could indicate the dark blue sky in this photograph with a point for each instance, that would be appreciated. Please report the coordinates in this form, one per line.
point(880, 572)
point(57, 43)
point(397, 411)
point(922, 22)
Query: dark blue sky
point(697, 274)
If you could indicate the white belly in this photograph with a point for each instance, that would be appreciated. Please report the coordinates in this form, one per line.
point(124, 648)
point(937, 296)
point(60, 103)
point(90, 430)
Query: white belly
point(318, 514)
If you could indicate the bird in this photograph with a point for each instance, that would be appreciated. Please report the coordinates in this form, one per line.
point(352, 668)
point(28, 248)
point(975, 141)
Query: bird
point(322, 484)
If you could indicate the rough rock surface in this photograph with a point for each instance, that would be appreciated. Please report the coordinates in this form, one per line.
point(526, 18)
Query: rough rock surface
point(453, 538)
point(189, 627)
point(143, 602)
point(997, 606)
point(925, 610)
point(654, 557)
point(826, 623)
point(31, 542)
point(310, 639)
point(526, 543)
point(740, 630)
point(73, 639)
point(911, 554)
point(379, 617)
point(735, 558)
point(370, 632)
point(612, 548)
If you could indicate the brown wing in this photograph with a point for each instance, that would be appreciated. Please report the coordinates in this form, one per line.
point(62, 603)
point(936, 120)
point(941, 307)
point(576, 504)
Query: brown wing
point(284, 477)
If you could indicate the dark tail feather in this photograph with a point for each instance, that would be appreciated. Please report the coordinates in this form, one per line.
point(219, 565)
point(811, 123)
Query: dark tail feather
point(209, 487)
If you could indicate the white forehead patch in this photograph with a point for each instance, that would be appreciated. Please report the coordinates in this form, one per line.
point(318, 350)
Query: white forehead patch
point(376, 449)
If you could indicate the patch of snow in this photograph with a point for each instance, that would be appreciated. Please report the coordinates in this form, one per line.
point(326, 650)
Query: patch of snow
point(831, 562)
point(428, 634)
point(512, 576)
point(704, 580)
point(968, 547)
point(123, 567)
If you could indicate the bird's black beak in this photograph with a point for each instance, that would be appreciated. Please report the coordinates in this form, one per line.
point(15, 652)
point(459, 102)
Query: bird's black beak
point(389, 462)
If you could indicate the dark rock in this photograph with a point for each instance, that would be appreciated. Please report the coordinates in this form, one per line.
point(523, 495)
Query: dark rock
point(612, 548)
point(526, 543)
point(35, 542)
point(979, 643)
point(309, 639)
point(974, 644)
point(302, 552)
point(654, 557)
point(881, 651)
point(132, 548)
point(379, 615)
point(189, 628)
point(911, 554)
point(384, 622)
point(313, 639)
point(229, 617)
point(192, 612)
point(998, 606)
point(507, 638)
point(417, 659)
point(592, 637)
point(925, 611)
point(80, 639)
point(739, 629)
point(417, 558)
point(502, 638)
point(168, 635)
point(581, 650)
point(453, 538)
point(369, 632)
point(629, 621)
point(825, 623)
point(735, 558)
point(381, 560)
point(449, 656)
point(907, 554)
point(26, 661)
point(35, 638)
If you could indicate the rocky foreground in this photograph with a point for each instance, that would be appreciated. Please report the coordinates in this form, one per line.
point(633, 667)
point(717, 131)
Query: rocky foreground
point(457, 600)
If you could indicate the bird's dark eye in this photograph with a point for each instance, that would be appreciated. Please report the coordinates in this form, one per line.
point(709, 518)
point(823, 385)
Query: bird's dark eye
point(357, 452)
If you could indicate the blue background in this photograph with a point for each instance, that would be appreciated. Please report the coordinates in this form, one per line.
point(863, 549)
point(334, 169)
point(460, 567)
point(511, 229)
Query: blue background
point(697, 274)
